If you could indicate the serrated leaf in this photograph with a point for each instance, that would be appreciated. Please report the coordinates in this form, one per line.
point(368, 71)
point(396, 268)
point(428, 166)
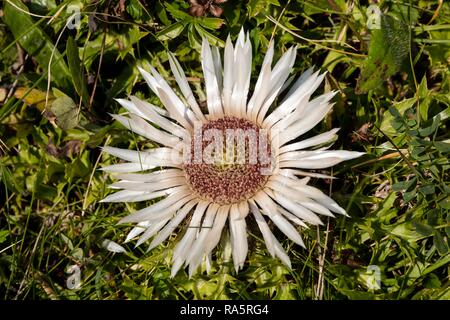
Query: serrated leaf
point(389, 47)
point(178, 14)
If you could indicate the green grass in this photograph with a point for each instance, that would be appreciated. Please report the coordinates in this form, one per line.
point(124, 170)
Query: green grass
point(394, 104)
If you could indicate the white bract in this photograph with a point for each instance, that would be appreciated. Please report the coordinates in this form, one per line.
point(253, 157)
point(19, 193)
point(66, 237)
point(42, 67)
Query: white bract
point(241, 157)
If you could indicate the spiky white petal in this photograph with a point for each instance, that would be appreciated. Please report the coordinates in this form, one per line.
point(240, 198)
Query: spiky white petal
point(140, 227)
point(311, 142)
point(171, 226)
point(181, 79)
point(238, 233)
point(278, 77)
point(113, 246)
point(182, 249)
point(212, 86)
point(163, 207)
point(127, 167)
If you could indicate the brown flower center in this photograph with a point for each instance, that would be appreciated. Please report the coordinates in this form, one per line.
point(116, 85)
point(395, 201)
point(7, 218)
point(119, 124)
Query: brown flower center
point(230, 160)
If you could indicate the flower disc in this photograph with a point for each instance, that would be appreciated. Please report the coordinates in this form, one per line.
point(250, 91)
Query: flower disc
point(230, 160)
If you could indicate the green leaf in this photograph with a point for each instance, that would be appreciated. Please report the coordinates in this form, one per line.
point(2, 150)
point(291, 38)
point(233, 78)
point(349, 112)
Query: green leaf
point(441, 262)
point(425, 101)
point(9, 181)
point(210, 23)
point(7, 109)
point(410, 195)
point(404, 12)
point(76, 70)
point(40, 190)
point(443, 115)
point(170, 32)
point(194, 42)
point(66, 112)
point(333, 59)
point(161, 12)
point(389, 47)
point(256, 7)
point(407, 231)
point(319, 6)
point(424, 229)
point(445, 203)
point(36, 42)
point(404, 185)
point(80, 167)
point(178, 14)
point(42, 6)
point(33, 97)
point(135, 291)
point(425, 132)
point(416, 152)
point(440, 243)
point(443, 147)
point(357, 295)
point(433, 282)
point(427, 189)
point(134, 8)
point(439, 52)
point(3, 235)
point(119, 43)
point(398, 109)
point(123, 82)
point(211, 38)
